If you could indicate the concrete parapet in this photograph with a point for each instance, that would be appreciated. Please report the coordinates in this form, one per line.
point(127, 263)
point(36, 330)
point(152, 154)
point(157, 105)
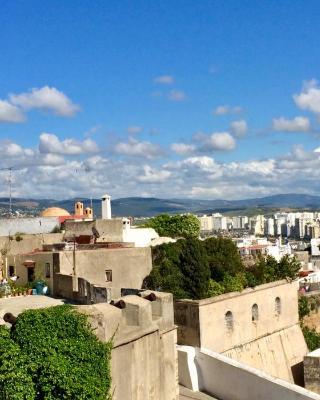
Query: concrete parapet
point(227, 379)
point(162, 308)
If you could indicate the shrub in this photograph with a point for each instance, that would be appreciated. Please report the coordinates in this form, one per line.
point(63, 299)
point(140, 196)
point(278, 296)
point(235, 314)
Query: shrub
point(54, 355)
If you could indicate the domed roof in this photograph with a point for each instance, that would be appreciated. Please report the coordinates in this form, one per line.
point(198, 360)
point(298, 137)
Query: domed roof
point(54, 212)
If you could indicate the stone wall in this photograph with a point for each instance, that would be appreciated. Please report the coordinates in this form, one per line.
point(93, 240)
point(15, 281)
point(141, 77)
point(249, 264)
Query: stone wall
point(144, 356)
point(110, 230)
point(258, 326)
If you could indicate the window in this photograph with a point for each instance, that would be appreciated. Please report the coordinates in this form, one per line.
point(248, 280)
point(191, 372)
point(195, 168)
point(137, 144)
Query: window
point(11, 270)
point(108, 275)
point(255, 313)
point(47, 270)
point(277, 306)
point(229, 320)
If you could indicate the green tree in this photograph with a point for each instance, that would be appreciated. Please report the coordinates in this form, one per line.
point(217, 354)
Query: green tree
point(53, 354)
point(223, 258)
point(176, 226)
point(195, 269)
point(215, 288)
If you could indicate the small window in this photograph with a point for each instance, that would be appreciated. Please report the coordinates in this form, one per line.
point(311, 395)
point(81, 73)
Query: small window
point(11, 270)
point(108, 275)
point(255, 313)
point(47, 270)
point(277, 306)
point(229, 320)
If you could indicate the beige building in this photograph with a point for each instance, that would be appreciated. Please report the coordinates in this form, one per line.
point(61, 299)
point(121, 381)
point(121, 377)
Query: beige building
point(258, 327)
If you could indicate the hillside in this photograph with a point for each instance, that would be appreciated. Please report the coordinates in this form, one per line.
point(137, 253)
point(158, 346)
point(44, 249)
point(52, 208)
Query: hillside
point(140, 206)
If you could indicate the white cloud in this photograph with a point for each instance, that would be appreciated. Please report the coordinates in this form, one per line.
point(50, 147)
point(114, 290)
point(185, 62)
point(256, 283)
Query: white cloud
point(309, 98)
point(138, 149)
point(226, 110)
point(134, 129)
point(217, 141)
point(182, 148)
point(10, 113)
point(46, 98)
point(297, 124)
point(239, 128)
point(152, 175)
point(164, 79)
point(177, 95)
point(50, 143)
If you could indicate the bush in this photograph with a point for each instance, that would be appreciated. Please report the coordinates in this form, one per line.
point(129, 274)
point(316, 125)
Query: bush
point(311, 337)
point(52, 354)
point(176, 226)
point(215, 288)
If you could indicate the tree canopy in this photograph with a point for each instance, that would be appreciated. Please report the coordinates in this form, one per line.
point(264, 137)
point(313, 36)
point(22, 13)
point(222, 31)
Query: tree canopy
point(195, 269)
point(175, 226)
point(52, 354)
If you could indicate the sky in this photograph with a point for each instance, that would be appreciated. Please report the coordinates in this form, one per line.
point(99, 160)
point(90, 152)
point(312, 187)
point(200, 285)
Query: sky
point(171, 99)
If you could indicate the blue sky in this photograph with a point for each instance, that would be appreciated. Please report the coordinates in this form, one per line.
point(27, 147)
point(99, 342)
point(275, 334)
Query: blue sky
point(204, 99)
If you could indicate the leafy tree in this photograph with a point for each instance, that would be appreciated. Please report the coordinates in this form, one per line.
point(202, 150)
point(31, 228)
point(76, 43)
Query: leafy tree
point(312, 338)
point(223, 258)
point(166, 274)
point(52, 354)
point(176, 226)
point(304, 308)
point(233, 283)
point(215, 288)
point(195, 269)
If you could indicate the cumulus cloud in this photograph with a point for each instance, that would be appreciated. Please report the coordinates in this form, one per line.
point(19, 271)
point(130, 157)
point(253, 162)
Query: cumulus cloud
point(297, 124)
point(221, 141)
point(164, 79)
point(134, 129)
point(183, 148)
point(239, 128)
point(226, 110)
point(138, 149)
point(153, 175)
point(309, 98)
point(10, 113)
point(177, 95)
point(45, 98)
point(50, 143)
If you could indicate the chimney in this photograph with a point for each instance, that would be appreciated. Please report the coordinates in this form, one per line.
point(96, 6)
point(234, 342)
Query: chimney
point(106, 207)
point(88, 213)
point(78, 208)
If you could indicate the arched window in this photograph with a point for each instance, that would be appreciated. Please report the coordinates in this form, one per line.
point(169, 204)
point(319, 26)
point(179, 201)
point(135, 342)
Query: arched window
point(277, 306)
point(229, 320)
point(255, 312)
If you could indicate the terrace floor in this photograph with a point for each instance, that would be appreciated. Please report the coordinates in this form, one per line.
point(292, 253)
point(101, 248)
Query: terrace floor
point(16, 305)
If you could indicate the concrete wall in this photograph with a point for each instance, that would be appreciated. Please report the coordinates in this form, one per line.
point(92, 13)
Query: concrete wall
point(141, 237)
point(129, 265)
point(144, 355)
point(228, 379)
point(273, 342)
point(28, 243)
point(312, 371)
point(110, 230)
point(10, 226)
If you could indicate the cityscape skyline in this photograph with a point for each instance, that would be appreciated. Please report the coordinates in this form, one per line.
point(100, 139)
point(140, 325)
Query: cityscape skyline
point(160, 100)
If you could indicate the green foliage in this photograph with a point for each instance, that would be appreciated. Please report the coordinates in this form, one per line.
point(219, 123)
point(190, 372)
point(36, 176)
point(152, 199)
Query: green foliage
point(56, 229)
point(195, 269)
point(182, 268)
point(303, 306)
point(52, 354)
point(268, 269)
point(311, 337)
point(223, 257)
point(215, 288)
point(176, 226)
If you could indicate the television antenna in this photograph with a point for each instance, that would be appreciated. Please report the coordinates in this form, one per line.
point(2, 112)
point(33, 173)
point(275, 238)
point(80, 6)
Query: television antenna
point(10, 169)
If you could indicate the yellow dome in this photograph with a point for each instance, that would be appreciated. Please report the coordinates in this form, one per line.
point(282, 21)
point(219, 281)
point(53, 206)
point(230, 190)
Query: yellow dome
point(54, 212)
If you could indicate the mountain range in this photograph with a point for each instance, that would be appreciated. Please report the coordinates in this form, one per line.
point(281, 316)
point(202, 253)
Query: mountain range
point(149, 206)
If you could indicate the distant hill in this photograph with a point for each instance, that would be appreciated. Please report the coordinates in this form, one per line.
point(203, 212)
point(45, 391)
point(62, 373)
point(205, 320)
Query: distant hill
point(150, 206)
